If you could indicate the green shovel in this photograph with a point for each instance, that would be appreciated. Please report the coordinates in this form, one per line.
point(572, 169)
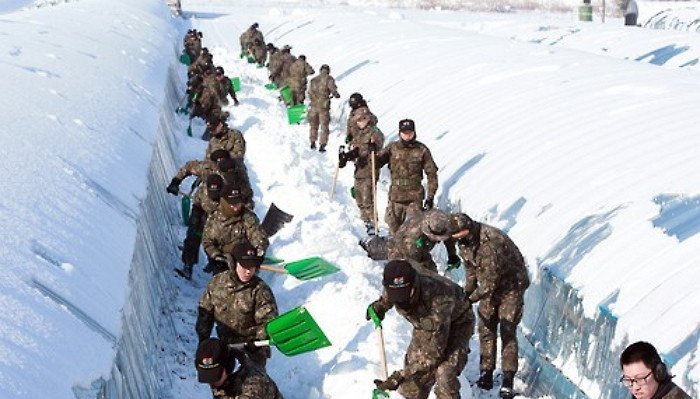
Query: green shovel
point(271, 86)
point(305, 269)
point(236, 84)
point(293, 333)
point(296, 114)
point(186, 205)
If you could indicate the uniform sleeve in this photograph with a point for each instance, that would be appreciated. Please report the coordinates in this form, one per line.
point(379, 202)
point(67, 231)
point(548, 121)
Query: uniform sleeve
point(378, 137)
point(332, 87)
point(238, 148)
point(265, 310)
point(430, 169)
point(205, 316)
point(309, 70)
point(187, 170)
point(254, 233)
point(210, 241)
point(487, 271)
point(229, 89)
point(433, 334)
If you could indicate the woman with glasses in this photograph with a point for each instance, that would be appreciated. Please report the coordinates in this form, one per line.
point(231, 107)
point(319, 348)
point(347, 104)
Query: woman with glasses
point(645, 375)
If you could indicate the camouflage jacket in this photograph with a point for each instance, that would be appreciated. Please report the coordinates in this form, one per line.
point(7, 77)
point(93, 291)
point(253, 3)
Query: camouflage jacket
point(201, 169)
point(232, 141)
point(202, 199)
point(411, 244)
point(496, 262)
point(439, 314)
point(298, 72)
point(239, 178)
point(352, 126)
point(207, 102)
point(222, 233)
point(202, 63)
point(321, 88)
point(287, 60)
point(224, 88)
point(360, 142)
point(407, 162)
point(245, 39)
point(275, 63)
point(240, 310)
point(248, 382)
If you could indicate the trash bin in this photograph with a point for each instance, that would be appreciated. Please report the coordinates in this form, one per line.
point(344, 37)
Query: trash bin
point(585, 13)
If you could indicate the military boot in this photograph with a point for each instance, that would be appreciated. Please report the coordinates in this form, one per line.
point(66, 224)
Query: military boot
point(322, 148)
point(485, 382)
point(369, 226)
point(185, 272)
point(313, 146)
point(507, 386)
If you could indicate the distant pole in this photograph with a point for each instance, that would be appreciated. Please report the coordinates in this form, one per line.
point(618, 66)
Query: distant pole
point(603, 17)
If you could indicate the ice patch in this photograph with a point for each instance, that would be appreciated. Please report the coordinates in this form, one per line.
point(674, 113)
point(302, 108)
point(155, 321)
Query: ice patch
point(679, 215)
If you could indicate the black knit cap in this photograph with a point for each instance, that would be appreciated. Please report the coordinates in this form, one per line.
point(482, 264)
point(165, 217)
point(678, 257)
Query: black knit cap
point(219, 154)
point(399, 279)
point(215, 182)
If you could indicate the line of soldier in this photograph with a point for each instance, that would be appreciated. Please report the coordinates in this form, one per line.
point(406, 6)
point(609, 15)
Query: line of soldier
point(236, 302)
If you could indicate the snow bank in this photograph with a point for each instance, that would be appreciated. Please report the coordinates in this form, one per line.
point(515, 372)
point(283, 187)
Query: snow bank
point(83, 85)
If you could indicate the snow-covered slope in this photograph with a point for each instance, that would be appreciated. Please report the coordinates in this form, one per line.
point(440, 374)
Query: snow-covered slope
point(589, 162)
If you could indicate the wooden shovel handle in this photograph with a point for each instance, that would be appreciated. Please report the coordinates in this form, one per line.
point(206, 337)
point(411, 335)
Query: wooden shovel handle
point(274, 269)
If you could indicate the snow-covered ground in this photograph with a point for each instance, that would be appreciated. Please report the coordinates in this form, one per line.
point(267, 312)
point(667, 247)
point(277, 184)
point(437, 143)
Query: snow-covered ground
point(590, 162)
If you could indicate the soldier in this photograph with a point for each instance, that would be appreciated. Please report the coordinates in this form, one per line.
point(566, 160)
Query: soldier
point(276, 64)
point(248, 37)
point(298, 72)
point(223, 137)
point(206, 103)
point(216, 365)
point(321, 89)
point(356, 103)
point(240, 303)
point(366, 141)
point(646, 375)
point(202, 63)
point(497, 279)
point(230, 225)
point(418, 236)
point(408, 159)
point(193, 44)
point(442, 322)
point(205, 203)
point(259, 51)
point(235, 173)
point(224, 87)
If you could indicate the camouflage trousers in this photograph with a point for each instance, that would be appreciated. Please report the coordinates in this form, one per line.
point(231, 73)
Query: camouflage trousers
point(195, 226)
point(398, 212)
point(298, 94)
point(364, 200)
point(444, 377)
point(319, 117)
point(504, 309)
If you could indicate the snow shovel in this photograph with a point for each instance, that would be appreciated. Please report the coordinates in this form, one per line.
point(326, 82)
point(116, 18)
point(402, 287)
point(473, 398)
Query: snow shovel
point(236, 84)
point(271, 260)
point(286, 93)
point(374, 193)
point(274, 220)
point(186, 206)
point(271, 86)
point(251, 59)
point(293, 333)
point(337, 170)
point(305, 269)
point(379, 393)
point(185, 59)
point(296, 114)
point(189, 128)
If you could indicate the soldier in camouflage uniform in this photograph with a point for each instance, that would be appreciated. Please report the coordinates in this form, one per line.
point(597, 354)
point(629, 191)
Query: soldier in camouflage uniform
point(193, 44)
point(206, 102)
point(279, 65)
point(224, 87)
point(366, 141)
point(232, 224)
point(298, 72)
point(357, 103)
point(224, 137)
point(202, 63)
point(259, 52)
point(408, 159)
point(442, 322)
point(206, 200)
point(321, 89)
point(248, 37)
point(235, 173)
point(496, 278)
point(418, 235)
point(239, 302)
point(216, 365)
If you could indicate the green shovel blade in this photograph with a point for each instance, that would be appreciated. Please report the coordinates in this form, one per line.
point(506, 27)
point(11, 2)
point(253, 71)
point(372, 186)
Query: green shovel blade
point(378, 394)
point(309, 268)
point(286, 93)
point(185, 59)
point(251, 59)
point(236, 84)
point(271, 86)
point(296, 114)
point(185, 204)
point(271, 260)
point(296, 332)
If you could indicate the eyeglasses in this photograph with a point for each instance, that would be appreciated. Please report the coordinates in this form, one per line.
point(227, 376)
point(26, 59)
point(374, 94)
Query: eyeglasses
point(629, 382)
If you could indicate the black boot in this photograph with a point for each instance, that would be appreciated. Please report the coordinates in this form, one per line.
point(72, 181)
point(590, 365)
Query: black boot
point(185, 272)
point(322, 148)
point(485, 382)
point(313, 146)
point(370, 228)
point(507, 386)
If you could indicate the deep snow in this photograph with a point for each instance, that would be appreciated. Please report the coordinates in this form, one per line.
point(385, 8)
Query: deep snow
point(589, 162)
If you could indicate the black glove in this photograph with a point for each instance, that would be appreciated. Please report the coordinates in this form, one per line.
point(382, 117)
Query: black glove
point(348, 138)
point(336, 95)
point(372, 147)
point(428, 204)
point(391, 383)
point(380, 313)
point(351, 155)
point(250, 346)
point(174, 187)
point(342, 159)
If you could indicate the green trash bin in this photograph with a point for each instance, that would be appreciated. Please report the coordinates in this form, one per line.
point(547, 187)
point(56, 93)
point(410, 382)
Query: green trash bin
point(236, 84)
point(286, 93)
point(296, 114)
point(585, 13)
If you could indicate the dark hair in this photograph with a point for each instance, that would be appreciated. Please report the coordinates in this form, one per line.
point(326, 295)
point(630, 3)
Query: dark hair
point(640, 351)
